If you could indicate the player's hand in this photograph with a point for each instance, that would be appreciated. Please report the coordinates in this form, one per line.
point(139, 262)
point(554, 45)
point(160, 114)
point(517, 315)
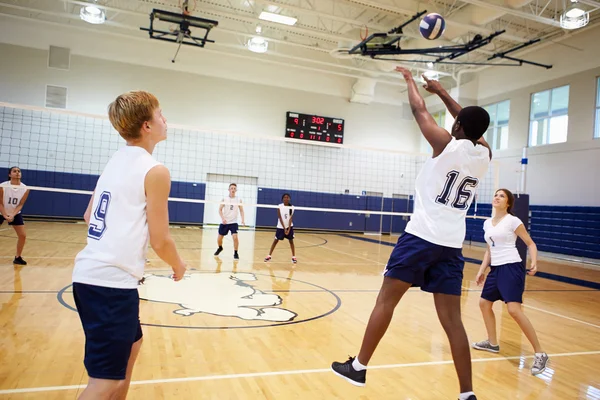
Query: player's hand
point(480, 278)
point(432, 86)
point(287, 231)
point(405, 73)
point(224, 221)
point(243, 223)
point(9, 218)
point(179, 272)
point(532, 270)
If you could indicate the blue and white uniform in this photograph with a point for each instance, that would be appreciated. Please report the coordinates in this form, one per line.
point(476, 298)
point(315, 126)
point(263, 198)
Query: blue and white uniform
point(429, 253)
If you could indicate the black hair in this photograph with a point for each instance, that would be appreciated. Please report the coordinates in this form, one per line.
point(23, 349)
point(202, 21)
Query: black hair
point(286, 194)
point(11, 168)
point(474, 121)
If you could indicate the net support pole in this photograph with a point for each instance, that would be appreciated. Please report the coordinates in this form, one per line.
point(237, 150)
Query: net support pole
point(524, 161)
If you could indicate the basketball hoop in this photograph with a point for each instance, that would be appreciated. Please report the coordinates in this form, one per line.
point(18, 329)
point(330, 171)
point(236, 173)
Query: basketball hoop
point(366, 29)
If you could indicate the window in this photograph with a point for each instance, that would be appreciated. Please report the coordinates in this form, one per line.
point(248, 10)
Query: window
point(440, 119)
point(597, 130)
point(497, 133)
point(549, 118)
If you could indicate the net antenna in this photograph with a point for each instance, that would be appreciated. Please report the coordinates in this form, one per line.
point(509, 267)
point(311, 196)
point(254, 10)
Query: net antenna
point(181, 33)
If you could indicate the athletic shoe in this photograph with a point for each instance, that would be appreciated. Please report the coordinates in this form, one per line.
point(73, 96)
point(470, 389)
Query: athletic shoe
point(539, 364)
point(347, 371)
point(485, 345)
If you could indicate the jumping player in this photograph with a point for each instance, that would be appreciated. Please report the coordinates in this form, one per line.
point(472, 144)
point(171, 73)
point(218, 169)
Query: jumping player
point(429, 253)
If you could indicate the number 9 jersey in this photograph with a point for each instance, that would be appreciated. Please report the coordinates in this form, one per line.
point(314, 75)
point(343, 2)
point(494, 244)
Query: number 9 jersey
point(444, 191)
point(117, 239)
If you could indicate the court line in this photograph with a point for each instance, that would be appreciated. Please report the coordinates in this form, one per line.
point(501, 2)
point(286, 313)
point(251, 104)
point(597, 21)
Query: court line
point(346, 253)
point(562, 316)
point(289, 372)
point(415, 290)
point(539, 274)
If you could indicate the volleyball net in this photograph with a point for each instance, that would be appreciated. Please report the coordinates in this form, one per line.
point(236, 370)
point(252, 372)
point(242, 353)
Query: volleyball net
point(347, 188)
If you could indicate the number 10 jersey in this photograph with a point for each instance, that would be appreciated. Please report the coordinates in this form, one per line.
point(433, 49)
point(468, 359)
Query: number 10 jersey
point(117, 238)
point(444, 191)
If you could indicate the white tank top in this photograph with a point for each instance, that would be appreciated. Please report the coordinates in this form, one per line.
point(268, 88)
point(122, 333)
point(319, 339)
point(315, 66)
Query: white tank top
point(286, 214)
point(118, 237)
point(231, 208)
point(502, 240)
point(444, 190)
point(12, 197)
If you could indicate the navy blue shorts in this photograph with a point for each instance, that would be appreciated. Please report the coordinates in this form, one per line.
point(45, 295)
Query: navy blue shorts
point(224, 229)
point(433, 268)
point(280, 234)
point(111, 322)
point(18, 220)
point(505, 282)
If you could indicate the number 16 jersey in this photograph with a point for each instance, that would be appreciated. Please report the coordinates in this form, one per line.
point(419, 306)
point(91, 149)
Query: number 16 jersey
point(117, 237)
point(444, 191)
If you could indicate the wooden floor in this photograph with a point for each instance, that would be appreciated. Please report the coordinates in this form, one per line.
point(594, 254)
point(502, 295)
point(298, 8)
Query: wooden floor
point(205, 339)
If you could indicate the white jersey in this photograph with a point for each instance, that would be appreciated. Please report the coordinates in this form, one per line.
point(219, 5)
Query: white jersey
point(444, 189)
point(286, 215)
point(12, 197)
point(231, 209)
point(502, 240)
point(118, 236)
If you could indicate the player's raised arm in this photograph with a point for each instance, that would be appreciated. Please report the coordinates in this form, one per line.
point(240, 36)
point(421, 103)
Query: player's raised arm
point(158, 185)
point(437, 137)
point(435, 87)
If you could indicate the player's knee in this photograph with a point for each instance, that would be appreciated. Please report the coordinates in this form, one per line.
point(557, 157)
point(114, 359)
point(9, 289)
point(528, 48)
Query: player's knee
point(514, 309)
point(485, 305)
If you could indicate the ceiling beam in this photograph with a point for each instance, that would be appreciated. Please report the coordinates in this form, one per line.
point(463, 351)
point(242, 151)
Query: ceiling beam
point(512, 11)
point(406, 12)
point(366, 73)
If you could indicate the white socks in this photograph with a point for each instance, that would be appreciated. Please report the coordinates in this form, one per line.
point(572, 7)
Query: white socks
point(465, 396)
point(357, 365)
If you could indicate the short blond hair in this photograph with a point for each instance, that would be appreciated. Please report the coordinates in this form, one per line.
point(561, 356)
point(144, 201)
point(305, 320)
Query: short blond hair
point(130, 110)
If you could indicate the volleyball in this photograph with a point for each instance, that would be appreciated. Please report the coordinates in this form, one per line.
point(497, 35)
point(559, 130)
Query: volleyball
point(432, 26)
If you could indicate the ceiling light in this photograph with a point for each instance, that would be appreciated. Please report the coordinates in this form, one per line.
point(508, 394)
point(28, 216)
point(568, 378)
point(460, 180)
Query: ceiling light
point(430, 65)
point(92, 15)
point(574, 17)
point(280, 19)
point(258, 45)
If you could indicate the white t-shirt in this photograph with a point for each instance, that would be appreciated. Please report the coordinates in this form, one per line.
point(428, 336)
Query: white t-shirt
point(117, 242)
point(502, 240)
point(444, 190)
point(12, 197)
point(231, 209)
point(286, 214)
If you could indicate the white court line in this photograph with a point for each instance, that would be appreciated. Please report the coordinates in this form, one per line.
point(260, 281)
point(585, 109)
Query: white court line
point(562, 316)
point(555, 314)
point(345, 253)
point(292, 372)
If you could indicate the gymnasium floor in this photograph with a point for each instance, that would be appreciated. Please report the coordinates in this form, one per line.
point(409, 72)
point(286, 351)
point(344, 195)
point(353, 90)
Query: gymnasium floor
point(198, 346)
